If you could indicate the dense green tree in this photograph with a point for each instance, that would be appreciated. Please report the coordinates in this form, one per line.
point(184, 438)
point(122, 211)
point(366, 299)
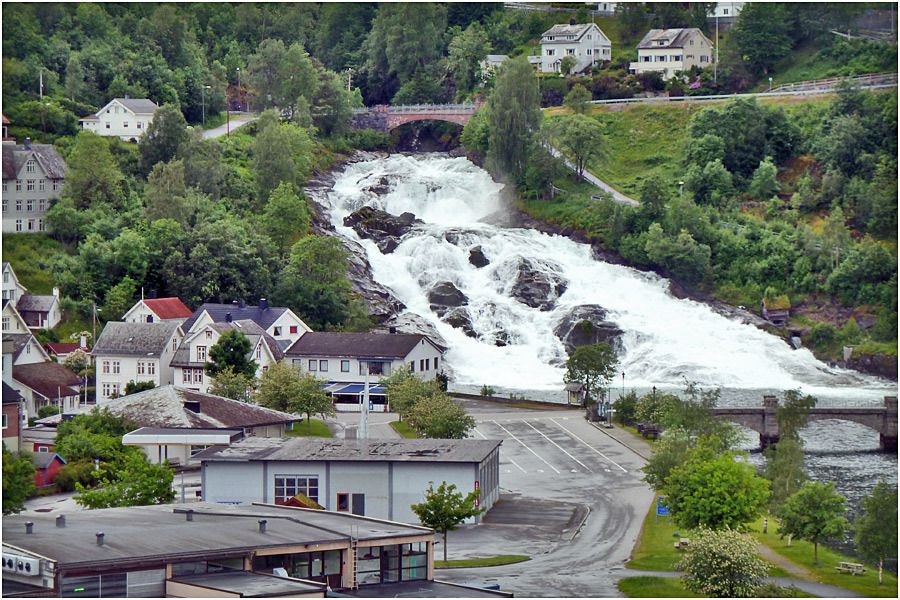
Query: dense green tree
point(133, 387)
point(670, 452)
point(332, 104)
point(723, 564)
point(763, 35)
point(341, 27)
point(264, 71)
point(405, 390)
point(281, 153)
point(278, 386)
point(119, 298)
point(814, 514)
point(310, 399)
point(438, 416)
point(577, 100)
point(230, 384)
point(444, 509)
point(135, 483)
point(286, 218)
point(785, 470)
point(593, 366)
point(232, 350)
point(876, 526)
point(580, 138)
point(793, 412)
point(763, 184)
point(867, 265)
point(18, 478)
point(710, 184)
point(92, 176)
point(705, 150)
point(464, 54)
point(165, 191)
point(476, 132)
point(681, 255)
point(204, 169)
point(165, 134)
point(514, 116)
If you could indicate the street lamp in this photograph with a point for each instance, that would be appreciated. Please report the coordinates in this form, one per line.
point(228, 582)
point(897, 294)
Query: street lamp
point(770, 84)
point(203, 101)
point(681, 185)
point(238, 69)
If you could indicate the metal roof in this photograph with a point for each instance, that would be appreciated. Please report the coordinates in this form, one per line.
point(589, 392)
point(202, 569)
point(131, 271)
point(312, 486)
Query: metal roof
point(362, 345)
point(371, 450)
point(673, 38)
point(262, 316)
point(134, 339)
point(247, 584)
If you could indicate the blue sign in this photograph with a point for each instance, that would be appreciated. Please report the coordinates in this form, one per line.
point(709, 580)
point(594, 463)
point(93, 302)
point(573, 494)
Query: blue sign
point(662, 510)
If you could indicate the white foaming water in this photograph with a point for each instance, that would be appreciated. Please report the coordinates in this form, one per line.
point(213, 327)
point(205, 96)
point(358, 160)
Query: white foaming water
point(665, 340)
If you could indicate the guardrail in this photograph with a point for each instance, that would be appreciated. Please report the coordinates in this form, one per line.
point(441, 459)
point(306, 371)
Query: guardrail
point(419, 108)
point(832, 81)
point(728, 96)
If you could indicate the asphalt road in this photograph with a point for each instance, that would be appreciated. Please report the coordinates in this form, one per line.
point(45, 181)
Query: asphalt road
point(572, 498)
point(237, 120)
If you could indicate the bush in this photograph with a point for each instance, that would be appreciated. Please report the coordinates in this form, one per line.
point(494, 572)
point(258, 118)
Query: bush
point(368, 139)
point(724, 564)
point(81, 471)
point(487, 391)
point(626, 409)
point(822, 335)
point(47, 411)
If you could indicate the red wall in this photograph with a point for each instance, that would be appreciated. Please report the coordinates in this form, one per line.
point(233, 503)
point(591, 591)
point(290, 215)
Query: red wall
point(12, 421)
point(45, 477)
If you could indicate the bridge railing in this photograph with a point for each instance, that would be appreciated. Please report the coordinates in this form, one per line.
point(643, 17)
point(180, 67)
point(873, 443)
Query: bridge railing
point(418, 108)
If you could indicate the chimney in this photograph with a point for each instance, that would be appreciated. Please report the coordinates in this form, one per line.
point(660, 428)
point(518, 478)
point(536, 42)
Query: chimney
point(56, 292)
point(29, 527)
point(189, 515)
point(82, 341)
point(263, 303)
point(100, 536)
point(392, 329)
point(151, 295)
point(28, 143)
point(61, 521)
point(573, 22)
point(228, 317)
point(262, 525)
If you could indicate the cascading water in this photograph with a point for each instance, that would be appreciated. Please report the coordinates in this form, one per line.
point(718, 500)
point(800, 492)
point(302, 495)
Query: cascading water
point(665, 339)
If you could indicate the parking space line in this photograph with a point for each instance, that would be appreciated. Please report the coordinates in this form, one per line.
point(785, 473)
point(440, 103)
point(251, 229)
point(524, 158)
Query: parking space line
point(558, 446)
point(513, 436)
point(501, 450)
point(571, 433)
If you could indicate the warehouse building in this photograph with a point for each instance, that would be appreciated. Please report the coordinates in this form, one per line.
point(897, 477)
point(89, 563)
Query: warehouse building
point(375, 478)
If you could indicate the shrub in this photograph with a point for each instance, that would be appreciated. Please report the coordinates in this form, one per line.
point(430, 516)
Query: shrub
point(487, 391)
point(81, 471)
point(724, 564)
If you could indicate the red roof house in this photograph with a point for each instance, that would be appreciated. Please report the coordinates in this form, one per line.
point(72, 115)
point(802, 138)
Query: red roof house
point(154, 310)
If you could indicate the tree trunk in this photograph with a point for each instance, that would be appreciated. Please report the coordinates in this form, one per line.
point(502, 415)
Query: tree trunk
point(789, 540)
point(308, 424)
point(880, 571)
point(445, 546)
point(816, 553)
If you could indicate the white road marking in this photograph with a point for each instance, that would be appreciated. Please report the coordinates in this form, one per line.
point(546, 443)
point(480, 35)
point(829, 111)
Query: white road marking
point(513, 436)
point(588, 445)
point(558, 446)
point(508, 457)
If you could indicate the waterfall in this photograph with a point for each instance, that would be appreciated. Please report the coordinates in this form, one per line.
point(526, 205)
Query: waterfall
point(665, 339)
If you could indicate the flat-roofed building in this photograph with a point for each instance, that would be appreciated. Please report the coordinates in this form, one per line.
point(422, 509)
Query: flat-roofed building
point(378, 478)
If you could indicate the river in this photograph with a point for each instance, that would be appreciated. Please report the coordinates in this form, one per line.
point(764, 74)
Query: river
point(666, 340)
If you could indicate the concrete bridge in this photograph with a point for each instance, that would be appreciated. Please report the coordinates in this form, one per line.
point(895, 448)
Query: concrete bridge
point(762, 420)
point(385, 118)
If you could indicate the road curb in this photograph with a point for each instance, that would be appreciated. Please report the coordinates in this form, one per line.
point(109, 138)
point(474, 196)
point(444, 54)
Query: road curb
point(580, 525)
point(614, 438)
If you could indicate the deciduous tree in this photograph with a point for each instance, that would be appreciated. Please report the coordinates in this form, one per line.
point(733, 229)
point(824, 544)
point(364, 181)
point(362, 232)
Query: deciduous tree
point(232, 350)
point(163, 137)
point(593, 367)
point(230, 384)
point(514, 116)
point(18, 480)
point(578, 137)
point(814, 513)
point(438, 416)
point(723, 564)
point(876, 526)
point(444, 509)
point(135, 483)
point(286, 217)
point(92, 175)
point(577, 99)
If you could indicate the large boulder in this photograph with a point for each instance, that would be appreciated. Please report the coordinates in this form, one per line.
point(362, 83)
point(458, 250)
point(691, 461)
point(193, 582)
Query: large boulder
point(380, 302)
point(382, 227)
point(459, 318)
point(445, 295)
point(586, 325)
point(408, 322)
point(477, 257)
point(537, 288)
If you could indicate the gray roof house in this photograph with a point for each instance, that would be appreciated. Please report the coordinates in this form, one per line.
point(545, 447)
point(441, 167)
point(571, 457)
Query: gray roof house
point(669, 51)
point(253, 331)
point(33, 175)
point(280, 322)
point(586, 43)
point(125, 118)
point(137, 352)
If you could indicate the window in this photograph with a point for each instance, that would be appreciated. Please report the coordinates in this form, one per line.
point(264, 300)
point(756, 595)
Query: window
point(435, 363)
point(288, 486)
point(106, 367)
point(704, 58)
point(107, 124)
point(18, 224)
point(30, 224)
point(692, 42)
point(41, 184)
point(725, 11)
point(293, 329)
point(4, 185)
point(551, 52)
point(186, 376)
point(427, 364)
point(201, 353)
point(18, 205)
point(18, 185)
point(151, 368)
point(29, 205)
point(676, 58)
point(55, 185)
point(116, 367)
point(40, 224)
point(375, 368)
point(5, 203)
point(29, 167)
point(690, 57)
point(343, 500)
point(421, 364)
point(550, 38)
point(412, 366)
point(313, 363)
point(589, 51)
point(6, 424)
point(29, 185)
point(276, 331)
point(140, 125)
point(140, 368)
point(323, 366)
point(124, 123)
point(5, 323)
point(590, 37)
point(42, 203)
point(570, 51)
point(209, 334)
point(345, 366)
point(110, 390)
point(259, 351)
point(198, 375)
point(174, 343)
point(646, 58)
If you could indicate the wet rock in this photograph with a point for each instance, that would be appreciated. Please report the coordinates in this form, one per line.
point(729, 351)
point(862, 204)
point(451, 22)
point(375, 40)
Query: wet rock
point(411, 323)
point(502, 339)
point(445, 295)
point(380, 302)
point(388, 245)
point(459, 318)
point(380, 226)
point(537, 288)
point(477, 257)
point(382, 187)
point(586, 325)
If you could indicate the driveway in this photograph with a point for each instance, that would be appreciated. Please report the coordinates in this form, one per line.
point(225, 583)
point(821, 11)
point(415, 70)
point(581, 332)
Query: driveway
point(237, 120)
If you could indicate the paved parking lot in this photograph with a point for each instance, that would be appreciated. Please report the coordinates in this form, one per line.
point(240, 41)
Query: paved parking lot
point(572, 498)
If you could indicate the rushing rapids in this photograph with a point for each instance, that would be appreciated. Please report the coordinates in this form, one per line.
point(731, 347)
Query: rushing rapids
point(497, 294)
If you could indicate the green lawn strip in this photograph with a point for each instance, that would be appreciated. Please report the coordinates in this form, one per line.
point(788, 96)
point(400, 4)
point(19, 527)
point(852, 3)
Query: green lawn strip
point(485, 561)
point(403, 428)
point(654, 587)
point(315, 428)
point(801, 553)
point(30, 255)
point(655, 549)
point(213, 120)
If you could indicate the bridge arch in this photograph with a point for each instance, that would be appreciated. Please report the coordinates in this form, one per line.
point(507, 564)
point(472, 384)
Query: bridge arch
point(386, 118)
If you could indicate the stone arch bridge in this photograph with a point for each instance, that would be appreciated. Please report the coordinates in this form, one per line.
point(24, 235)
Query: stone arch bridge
point(385, 118)
point(762, 420)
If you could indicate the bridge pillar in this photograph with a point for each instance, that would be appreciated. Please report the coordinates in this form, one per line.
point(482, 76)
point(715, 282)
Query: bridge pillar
point(889, 425)
point(769, 434)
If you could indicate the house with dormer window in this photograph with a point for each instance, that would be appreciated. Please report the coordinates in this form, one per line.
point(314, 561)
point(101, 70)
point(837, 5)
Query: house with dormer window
point(669, 51)
point(126, 118)
point(33, 176)
point(279, 322)
point(587, 44)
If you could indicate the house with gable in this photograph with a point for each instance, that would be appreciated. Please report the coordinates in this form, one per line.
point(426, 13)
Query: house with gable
point(12, 288)
point(669, 51)
point(126, 118)
point(136, 352)
point(343, 360)
point(13, 323)
point(33, 176)
point(586, 43)
point(46, 384)
point(13, 403)
point(36, 311)
point(278, 321)
point(154, 310)
point(189, 362)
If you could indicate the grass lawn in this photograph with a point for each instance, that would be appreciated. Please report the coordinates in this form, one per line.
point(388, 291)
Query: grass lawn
point(315, 428)
point(486, 561)
point(402, 427)
point(30, 255)
point(801, 553)
point(654, 587)
point(213, 120)
point(655, 550)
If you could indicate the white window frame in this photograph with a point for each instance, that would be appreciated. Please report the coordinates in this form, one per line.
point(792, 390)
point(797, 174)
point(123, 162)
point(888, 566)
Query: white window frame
point(201, 353)
point(312, 365)
point(116, 367)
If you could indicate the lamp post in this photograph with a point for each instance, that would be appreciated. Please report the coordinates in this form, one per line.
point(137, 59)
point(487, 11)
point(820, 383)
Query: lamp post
point(203, 101)
point(681, 192)
point(770, 84)
point(238, 69)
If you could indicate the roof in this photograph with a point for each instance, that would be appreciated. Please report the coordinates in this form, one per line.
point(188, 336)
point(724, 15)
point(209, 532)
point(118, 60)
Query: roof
point(366, 345)
point(140, 106)
point(496, 58)
point(424, 589)
point(674, 38)
point(168, 308)
point(264, 317)
point(19, 341)
point(322, 449)
point(567, 29)
point(182, 356)
point(247, 584)
point(64, 347)
point(145, 533)
point(164, 407)
point(10, 396)
point(42, 460)
point(15, 156)
point(5, 120)
point(34, 303)
point(49, 379)
point(134, 339)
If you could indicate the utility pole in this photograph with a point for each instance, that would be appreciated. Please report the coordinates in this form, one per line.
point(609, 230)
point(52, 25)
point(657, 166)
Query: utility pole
point(716, 63)
point(41, 85)
point(363, 432)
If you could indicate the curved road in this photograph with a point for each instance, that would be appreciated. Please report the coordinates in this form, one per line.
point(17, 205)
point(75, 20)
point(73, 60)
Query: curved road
point(237, 120)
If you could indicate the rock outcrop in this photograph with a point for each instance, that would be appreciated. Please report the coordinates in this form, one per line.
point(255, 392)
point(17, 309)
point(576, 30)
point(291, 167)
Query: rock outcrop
point(477, 257)
point(383, 228)
point(537, 288)
point(445, 295)
point(586, 325)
